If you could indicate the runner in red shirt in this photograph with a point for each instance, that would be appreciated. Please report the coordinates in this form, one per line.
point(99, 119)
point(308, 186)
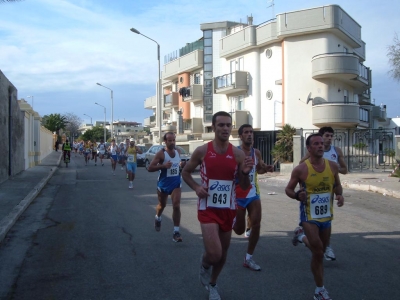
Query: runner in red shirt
point(220, 163)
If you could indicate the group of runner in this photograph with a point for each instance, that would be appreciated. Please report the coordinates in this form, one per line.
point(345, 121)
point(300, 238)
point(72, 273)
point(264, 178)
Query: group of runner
point(229, 188)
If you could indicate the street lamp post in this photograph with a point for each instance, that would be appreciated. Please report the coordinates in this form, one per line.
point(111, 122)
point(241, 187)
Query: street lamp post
point(159, 100)
point(112, 107)
point(105, 136)
point(32, 99)
point(91, 122)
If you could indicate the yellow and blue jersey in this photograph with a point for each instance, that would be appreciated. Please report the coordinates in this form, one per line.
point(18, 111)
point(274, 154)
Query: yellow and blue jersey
point(319, 189)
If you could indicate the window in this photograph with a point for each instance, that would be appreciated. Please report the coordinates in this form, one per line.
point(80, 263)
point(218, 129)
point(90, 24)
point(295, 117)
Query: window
point(233, 66)
point(241, 64)
point(345, 96)
point(197, 78)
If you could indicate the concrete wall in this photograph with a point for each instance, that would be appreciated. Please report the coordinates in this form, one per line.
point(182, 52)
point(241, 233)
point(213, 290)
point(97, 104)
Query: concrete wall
point(11, 131)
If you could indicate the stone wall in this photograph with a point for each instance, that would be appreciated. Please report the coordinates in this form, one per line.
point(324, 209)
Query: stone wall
point(11, 131)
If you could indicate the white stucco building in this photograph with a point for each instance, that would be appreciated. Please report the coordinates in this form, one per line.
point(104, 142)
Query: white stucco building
point(305, 68)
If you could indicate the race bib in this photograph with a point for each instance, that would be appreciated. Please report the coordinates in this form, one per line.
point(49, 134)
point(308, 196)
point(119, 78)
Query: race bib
point(173, 171)
point(220, 193)
point(320, 205)
point(102, 151)
point(131, 158)
point(94, 148)
point(113, 152)
point(87, 150)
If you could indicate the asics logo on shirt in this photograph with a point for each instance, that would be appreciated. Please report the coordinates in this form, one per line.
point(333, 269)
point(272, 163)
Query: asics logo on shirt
point(320, 199)
point(212, 154)
point(220, 187)
point(228, 156)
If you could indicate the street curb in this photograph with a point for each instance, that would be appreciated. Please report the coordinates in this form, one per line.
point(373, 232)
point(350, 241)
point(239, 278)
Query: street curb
point(352, 186)
point(8, 222)
point(372, 188)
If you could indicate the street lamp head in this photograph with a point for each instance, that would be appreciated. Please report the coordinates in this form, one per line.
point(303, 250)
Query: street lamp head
point(135, 31)
point(98, 83)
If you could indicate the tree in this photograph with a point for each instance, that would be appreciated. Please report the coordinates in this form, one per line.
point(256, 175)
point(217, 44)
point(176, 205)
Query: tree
point(283, 149)
point(96, 133)
point(73, 123)
point(54, 122)
point(394, 58)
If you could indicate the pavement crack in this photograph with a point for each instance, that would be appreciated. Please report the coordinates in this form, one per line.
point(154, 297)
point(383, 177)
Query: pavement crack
point(130, 239)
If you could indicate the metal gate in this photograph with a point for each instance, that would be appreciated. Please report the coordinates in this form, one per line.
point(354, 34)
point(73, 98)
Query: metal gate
point(265, 141)
point(363, 148)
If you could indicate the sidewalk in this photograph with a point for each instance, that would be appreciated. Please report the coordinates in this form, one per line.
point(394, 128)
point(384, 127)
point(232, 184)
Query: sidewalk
point(19, 191)
point(377, 181)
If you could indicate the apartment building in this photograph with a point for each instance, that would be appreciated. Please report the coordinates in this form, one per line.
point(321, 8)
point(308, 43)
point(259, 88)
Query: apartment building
point(304, 68)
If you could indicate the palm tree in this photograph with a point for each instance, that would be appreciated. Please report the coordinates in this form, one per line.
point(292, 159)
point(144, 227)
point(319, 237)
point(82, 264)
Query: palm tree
point(54, 122)
point(283, 149)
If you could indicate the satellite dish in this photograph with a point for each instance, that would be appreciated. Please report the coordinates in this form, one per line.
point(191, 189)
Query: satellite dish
point(309, 98)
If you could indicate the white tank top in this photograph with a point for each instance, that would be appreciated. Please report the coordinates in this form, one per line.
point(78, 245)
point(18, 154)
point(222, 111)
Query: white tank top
point(332, 155)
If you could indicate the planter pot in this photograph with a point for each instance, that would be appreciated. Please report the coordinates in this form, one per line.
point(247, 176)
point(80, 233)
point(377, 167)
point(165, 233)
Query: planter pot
point(286, 168)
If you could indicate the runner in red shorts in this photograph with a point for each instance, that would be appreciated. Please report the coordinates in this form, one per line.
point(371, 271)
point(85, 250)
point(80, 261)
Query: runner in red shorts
point(220, 163)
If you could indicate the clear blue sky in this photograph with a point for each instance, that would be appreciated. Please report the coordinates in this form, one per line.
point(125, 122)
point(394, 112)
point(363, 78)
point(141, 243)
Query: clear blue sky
point(56, 50)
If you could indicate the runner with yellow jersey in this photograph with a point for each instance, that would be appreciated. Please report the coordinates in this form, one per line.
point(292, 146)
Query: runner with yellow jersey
point(319, 180)
point(131, 161)
point(87, 152)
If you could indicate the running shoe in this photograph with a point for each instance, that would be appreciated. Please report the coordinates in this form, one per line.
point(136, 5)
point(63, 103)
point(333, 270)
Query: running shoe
point(127, 176)
point(329, 255)
point(131, 185)
point(214, 293)
point(249, 263)
point(95, 164)
point(157, 225)
point(122, 168)
point(297, 232)
point(177, 237)
point(205, 275)
point(102, 164)
point(247, 233)
point(322, 295)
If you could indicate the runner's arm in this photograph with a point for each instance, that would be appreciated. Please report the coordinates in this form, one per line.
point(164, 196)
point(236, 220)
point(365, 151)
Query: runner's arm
point(157, 162)
point(262, 167)
point(195, 160)
point(338, 190)
point(245, 164)
point(295, 178)
point(342, 163)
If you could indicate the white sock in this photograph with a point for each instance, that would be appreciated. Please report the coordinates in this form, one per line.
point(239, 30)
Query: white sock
point(300, 237)
point(318, 289)
point(158, 218)
point(248, 256)
point(176, 228)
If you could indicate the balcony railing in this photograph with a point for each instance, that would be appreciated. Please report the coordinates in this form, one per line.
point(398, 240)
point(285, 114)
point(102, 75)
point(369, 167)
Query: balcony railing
point(171, 100)
point(190, 47)
point(225, 80)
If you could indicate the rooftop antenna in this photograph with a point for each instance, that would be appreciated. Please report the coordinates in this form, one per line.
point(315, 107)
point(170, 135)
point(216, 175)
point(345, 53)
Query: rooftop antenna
point(271, 3)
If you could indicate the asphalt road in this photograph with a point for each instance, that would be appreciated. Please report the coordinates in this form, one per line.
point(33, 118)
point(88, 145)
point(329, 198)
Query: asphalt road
point(87, 236)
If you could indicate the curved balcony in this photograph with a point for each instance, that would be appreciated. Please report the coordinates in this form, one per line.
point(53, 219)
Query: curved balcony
point(336, 114)
point(345, 67)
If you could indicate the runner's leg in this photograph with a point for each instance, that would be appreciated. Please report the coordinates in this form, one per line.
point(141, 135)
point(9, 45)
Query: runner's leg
point(216, 244)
